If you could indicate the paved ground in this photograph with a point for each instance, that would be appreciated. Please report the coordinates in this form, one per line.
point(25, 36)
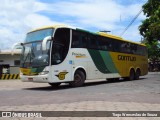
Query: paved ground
point(138, 95)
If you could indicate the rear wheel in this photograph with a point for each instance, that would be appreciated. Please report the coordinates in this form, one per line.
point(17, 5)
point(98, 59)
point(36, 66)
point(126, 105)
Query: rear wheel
point(132, 74)
point(54, 84)
point(79, 78)
point(137, 74)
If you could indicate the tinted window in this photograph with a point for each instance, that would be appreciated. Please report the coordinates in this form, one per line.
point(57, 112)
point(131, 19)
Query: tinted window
point(93, 41)
point(87, 40)
point(79, 39)
point(105, 44)
point(60, 45)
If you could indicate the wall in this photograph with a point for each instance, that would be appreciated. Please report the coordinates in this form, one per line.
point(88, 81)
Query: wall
point(9, 59)
point(13, 71)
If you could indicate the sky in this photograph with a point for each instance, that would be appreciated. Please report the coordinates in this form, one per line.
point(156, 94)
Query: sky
point(17, 17)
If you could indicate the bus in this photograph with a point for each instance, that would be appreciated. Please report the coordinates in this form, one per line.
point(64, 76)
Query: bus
point(62, 54)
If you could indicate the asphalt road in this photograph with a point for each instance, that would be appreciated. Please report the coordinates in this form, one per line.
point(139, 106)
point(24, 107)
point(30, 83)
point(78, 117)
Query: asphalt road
point(17, 93)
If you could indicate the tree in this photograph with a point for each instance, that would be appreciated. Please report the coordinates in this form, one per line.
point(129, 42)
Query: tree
point(153, 50)
point(150, 28)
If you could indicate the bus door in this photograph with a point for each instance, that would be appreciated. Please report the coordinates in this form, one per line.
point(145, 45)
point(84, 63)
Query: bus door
point(61, 69)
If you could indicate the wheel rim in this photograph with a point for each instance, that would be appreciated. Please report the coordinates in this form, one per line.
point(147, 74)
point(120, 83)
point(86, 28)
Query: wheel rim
point(77, 78)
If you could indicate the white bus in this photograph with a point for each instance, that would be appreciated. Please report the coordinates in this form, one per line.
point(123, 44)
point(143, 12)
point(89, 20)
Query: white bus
point(60, 54)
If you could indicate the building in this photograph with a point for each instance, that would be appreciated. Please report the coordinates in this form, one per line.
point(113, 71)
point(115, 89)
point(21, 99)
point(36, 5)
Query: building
point(9, 64)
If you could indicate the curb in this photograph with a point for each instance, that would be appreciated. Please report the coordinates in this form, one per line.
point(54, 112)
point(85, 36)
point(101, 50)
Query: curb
point(9, 76)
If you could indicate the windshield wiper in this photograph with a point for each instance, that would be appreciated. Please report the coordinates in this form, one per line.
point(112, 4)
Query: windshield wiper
point(26, 58)
point(32, 53)
point(29, 54)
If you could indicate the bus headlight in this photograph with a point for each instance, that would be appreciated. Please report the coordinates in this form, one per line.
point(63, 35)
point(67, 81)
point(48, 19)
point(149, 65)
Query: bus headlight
point(43, 72)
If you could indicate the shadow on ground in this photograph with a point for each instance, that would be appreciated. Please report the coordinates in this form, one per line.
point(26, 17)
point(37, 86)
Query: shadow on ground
point(87, 84)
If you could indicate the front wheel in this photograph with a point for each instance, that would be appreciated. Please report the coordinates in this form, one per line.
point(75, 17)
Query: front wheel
point(79, 78)
point(137, 74)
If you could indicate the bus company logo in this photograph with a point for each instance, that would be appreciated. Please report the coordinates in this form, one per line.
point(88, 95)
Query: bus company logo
point(126, 58)
point(61, 75)
point(79, 55)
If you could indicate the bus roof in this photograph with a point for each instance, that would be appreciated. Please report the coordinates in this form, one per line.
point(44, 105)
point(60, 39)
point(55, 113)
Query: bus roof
point(98, 33)
point(118, 38)
point(110, 36)
point(54, 26)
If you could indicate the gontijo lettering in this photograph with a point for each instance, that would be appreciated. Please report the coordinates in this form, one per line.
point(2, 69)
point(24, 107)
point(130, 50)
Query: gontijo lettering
point(126, 58)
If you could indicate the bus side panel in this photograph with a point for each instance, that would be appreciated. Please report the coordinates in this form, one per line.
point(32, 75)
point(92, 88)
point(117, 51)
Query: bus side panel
point(103, 62)
point(124, 62)
point(61, 72)
point(80, 59)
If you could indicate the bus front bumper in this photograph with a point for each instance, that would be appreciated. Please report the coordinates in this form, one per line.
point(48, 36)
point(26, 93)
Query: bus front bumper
point(38, 78)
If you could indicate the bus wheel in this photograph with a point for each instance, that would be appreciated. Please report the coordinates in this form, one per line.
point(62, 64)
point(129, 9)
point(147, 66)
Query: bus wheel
point(79, 78)
point(138, 73)
point(132, 74)
point(54, 84)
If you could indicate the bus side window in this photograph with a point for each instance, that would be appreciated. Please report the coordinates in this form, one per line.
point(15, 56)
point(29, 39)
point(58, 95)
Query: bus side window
point(110, 45)
point(93, 41)
point(75, 39)
point(103, 44)
point(133, 48)
point(84, 40)
point(116, 45)
point(125, 47)
point(79, 39)
point(141, 50)
point(75, 42)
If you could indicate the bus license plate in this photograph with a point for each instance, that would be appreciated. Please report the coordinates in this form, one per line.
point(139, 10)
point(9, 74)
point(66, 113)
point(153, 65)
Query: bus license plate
point(30, 79)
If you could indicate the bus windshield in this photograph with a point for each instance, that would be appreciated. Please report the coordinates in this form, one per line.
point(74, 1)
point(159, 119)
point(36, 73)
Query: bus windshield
point(32, 54)
point(38, 35)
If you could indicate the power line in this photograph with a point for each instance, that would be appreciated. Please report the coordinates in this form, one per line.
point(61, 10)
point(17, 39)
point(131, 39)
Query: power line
point(131, 22)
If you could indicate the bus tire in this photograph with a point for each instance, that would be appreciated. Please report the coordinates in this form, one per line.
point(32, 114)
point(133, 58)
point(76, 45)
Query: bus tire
point(137, 74)
point(79, 78)
point(132, 74)
point(54, 84)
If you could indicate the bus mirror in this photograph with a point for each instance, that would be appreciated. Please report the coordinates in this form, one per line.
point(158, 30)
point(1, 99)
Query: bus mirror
point(44, 42)
point(14, 46)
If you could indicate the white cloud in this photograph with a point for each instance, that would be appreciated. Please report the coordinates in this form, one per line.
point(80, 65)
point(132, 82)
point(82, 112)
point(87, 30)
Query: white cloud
point(19, 16)
point(97, 13)
point(100, 14)
point(35, 21)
